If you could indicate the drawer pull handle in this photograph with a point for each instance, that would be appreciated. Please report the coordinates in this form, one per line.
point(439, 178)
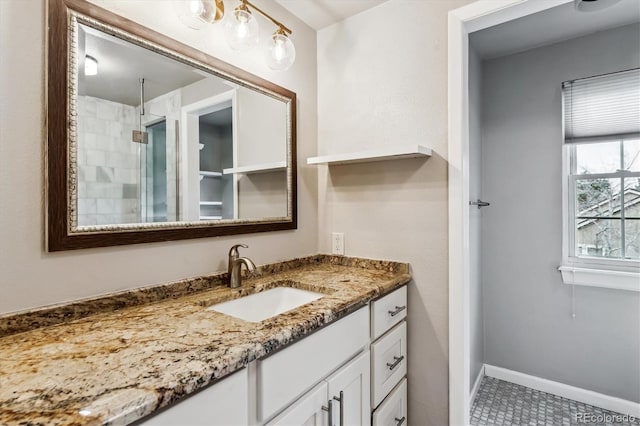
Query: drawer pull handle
point(400, 421)
point(397, 311)
point(329, 410)
point(396, 361)
point(340, 399)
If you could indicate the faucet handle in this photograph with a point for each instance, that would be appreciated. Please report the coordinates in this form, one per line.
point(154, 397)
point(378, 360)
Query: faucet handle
point(234, 250)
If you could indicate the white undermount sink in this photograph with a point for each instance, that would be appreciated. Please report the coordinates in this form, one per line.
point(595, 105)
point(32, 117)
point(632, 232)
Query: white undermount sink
point(266, 304)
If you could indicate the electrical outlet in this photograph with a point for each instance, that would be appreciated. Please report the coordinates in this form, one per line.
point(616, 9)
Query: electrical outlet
point(337, 243)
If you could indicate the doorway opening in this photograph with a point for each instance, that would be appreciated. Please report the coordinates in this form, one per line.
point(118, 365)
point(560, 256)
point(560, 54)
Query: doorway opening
point(463, 171)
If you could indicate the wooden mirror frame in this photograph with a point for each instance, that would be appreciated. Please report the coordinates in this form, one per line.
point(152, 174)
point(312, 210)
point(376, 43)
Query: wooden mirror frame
point(59, 185)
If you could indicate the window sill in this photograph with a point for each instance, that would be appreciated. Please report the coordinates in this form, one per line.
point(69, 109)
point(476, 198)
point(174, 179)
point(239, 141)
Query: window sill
point(600, 278)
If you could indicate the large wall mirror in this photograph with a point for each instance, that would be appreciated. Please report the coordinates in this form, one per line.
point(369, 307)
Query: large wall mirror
point(151, 140)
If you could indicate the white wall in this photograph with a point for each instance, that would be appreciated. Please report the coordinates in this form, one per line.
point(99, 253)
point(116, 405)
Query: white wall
point(382, 80)
point(476, 331)
point(261, 128)
point(527, 308)
point(30, 277)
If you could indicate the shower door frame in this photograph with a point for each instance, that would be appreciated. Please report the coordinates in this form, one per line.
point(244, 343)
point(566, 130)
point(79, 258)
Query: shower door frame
point(462, 22)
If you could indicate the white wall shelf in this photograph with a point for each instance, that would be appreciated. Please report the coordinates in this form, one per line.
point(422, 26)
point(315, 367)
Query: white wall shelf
point(381, 154)
point(210, 203)
point(257, 168)
point(210, 174)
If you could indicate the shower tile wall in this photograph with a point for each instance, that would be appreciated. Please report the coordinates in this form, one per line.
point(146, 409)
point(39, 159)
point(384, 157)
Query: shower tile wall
point(108, 163)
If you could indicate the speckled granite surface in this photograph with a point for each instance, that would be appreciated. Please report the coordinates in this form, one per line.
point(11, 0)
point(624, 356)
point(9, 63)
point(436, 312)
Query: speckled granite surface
point(115, 359)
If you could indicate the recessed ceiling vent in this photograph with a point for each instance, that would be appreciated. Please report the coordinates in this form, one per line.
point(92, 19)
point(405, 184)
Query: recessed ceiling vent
point(593, 5)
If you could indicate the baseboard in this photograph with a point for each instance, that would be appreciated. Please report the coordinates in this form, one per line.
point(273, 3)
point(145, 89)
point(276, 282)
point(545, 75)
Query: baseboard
point(566, 391)
point(476, 385)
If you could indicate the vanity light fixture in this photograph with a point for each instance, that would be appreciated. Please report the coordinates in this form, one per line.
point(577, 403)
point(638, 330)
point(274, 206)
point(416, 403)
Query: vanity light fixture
point(242, 34)
point(196, 13)
point(241, 28)
point(90, 65)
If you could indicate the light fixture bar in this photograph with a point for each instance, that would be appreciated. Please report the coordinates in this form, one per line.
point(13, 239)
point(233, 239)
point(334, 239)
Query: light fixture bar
point(266, 15)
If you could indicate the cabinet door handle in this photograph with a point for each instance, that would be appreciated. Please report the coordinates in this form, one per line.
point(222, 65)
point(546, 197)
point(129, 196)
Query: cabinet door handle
point(397, 360)
point(340, 399)
point(329, 410)
point(397, 310)
point(400, 421)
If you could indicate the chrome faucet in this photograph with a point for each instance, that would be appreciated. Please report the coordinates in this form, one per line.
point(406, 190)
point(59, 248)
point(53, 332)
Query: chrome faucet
point(234, 268)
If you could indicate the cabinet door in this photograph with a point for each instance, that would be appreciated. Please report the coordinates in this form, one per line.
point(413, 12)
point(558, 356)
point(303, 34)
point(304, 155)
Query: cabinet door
point(222, 404)
point(306, 411)
point(349, 388)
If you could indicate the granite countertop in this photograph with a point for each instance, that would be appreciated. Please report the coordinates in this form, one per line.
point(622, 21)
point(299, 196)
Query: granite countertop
point(117, 358)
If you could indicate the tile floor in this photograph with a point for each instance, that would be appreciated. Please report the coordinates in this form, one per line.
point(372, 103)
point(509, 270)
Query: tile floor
point(503, 403)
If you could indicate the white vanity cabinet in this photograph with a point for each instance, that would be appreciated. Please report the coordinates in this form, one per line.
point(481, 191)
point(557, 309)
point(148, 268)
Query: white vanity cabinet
point(225, 403)
point(389, 358)
point(287, 374)
point(340, 400)
point(374, 379)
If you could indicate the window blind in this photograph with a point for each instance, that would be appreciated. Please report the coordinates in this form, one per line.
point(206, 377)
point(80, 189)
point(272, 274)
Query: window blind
point(602, 107)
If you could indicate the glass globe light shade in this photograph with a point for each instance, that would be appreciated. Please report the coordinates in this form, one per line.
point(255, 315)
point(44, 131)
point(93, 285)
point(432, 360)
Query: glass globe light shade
point(242, 30)
point(196, 13)
point(281, 52)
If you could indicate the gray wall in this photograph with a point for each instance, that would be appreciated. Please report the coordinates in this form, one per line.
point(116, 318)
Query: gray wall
point(475, 216)
point(527, 308)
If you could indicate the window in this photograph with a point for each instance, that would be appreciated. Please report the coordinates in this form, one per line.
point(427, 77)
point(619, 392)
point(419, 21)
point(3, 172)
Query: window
point(602, 175)
point(605, 198)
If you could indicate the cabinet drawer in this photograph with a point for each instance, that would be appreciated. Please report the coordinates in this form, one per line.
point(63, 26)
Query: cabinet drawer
point(393, 411)
point(388, 311)
point(389, 365)
point(288, 373)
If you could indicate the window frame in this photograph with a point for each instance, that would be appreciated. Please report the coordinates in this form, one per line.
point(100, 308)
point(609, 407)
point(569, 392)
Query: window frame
point(625, 273)
point(572, 176)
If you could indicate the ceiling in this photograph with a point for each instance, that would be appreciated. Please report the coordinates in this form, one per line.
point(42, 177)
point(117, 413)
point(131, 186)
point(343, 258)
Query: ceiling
point(551, 26)
point(322, 13)
point(122, 64)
